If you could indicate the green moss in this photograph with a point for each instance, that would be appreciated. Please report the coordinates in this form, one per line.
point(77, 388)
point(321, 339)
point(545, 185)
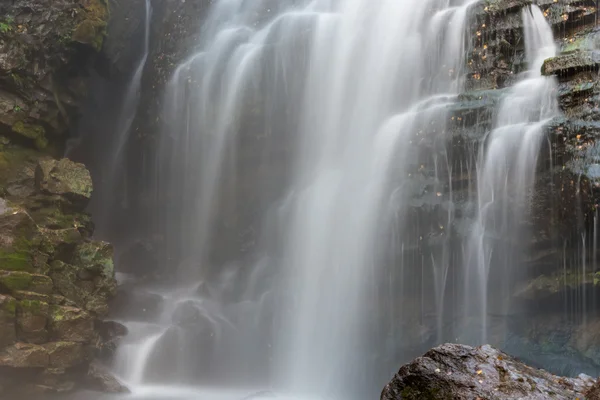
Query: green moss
point(16, 281)
point(35, 132)
point(10, 306)
point(15, 261)
point(92, 30)
point(31, 306)
point(13, 160)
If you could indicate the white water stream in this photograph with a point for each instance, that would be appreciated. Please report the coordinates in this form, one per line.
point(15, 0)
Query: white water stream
point(505, 177)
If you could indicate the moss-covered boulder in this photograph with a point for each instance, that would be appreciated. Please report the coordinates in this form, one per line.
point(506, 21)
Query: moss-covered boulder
point(8, 308)
point(64, 178)
point(71, 324)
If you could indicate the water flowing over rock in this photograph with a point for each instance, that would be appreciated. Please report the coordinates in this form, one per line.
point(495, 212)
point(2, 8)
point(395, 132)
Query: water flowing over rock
point(302, 194)
point(337, 186)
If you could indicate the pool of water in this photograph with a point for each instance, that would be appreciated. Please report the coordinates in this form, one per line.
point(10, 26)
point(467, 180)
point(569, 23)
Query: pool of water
point(187, 393)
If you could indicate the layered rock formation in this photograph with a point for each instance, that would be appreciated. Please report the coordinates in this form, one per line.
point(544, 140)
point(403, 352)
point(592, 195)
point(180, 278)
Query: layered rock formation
point(55, 280)
point(454, 371)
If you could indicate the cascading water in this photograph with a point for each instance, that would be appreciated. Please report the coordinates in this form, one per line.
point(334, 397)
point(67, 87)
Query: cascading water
point(352, 88)
point(352, 84)
point(112, 176)
point(505, 177)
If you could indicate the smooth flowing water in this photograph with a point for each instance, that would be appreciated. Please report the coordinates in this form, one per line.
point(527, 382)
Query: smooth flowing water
point(505, 177)
point(352, 87)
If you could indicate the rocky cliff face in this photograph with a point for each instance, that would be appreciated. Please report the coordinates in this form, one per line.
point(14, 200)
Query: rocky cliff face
point(55, 280)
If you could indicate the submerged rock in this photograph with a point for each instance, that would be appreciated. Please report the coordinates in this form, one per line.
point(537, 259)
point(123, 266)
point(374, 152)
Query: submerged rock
point(454, 371)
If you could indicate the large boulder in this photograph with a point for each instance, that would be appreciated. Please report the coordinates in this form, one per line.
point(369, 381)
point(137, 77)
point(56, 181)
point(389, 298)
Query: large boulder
point(64, 178)
point(454, 371)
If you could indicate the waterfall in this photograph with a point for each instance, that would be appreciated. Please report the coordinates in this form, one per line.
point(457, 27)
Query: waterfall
point(350, 89)
point(350, 86)
point(506, 173)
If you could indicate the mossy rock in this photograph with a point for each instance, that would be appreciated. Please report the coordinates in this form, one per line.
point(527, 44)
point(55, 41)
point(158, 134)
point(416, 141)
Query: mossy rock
point(8, 313)
point(92, 30)
point(32, 318)
point(13, 281)
point(567, 64)
point(37, 133)
point(547, 285)
point(31, 296)
point(64, 178)
point(88, 289)
point(95, 256)
point(71, 324)
point(17, 232)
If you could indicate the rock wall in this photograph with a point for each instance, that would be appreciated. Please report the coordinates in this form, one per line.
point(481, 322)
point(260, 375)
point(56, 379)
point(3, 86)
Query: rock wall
point(554, 301)
point(55, 280)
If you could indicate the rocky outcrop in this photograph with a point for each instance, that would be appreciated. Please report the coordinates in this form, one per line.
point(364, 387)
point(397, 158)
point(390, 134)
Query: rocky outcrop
point(45, 47)
point(453, 371)
point(55, 280)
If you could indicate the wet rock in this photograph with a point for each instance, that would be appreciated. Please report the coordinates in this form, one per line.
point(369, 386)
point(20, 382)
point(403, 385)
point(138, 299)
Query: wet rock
point(136, 304)
point(99, 378)
point(545, 286)
point(594, 392)
point(111, 333)
point(71, 324)
point(16, 232)
point(64, 178)
point(567, 64)
point(463, 372)
point(585, 340)
point(24, 355)
point(54, 380)
point(88, 280)
point(139, 259)
point(32, 318)
point(8, 307)
point(65, 354)
point(12, 281)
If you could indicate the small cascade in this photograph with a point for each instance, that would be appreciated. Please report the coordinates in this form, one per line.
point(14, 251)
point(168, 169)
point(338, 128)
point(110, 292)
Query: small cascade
point(506, 172)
